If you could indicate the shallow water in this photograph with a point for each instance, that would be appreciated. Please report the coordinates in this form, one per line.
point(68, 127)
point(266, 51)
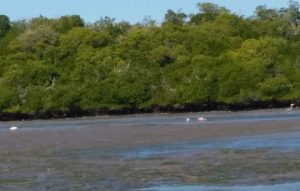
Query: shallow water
point(275, 187)
point(277, 142)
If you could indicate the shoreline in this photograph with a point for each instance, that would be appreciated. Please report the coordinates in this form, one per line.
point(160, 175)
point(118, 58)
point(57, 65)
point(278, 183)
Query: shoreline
point(201, 107)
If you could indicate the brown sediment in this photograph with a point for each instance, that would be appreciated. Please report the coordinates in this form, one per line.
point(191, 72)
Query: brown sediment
point(100, 137)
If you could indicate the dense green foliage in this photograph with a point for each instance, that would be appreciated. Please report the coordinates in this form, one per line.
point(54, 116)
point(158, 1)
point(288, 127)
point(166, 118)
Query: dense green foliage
point(210, 56)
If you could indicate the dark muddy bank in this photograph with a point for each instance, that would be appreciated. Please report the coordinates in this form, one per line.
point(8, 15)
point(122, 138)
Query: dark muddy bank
point(191, 107)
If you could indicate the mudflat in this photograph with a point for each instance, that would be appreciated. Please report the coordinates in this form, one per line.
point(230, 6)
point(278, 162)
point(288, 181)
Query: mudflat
point(102, 136)
point(122, 157)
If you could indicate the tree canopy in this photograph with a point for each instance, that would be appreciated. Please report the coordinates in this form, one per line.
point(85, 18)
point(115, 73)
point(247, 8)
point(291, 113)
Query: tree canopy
point(212, 56)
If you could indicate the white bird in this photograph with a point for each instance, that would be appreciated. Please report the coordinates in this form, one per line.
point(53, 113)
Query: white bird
point(187, 119)
point(201, 119)
point(13, 128)
point(290, 108)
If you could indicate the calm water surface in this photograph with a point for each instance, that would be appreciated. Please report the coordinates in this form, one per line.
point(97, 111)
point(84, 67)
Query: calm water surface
point(275, 187)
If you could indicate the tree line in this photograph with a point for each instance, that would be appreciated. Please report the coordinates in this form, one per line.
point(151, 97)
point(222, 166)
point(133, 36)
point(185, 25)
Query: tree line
point(213, 56)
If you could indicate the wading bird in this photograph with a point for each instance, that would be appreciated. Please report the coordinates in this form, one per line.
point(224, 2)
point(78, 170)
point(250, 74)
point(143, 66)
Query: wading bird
point(201, 119)
point(13, 128)
point(290, 108)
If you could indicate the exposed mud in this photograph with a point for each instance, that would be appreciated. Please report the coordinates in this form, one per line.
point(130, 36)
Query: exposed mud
point(103, 157)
